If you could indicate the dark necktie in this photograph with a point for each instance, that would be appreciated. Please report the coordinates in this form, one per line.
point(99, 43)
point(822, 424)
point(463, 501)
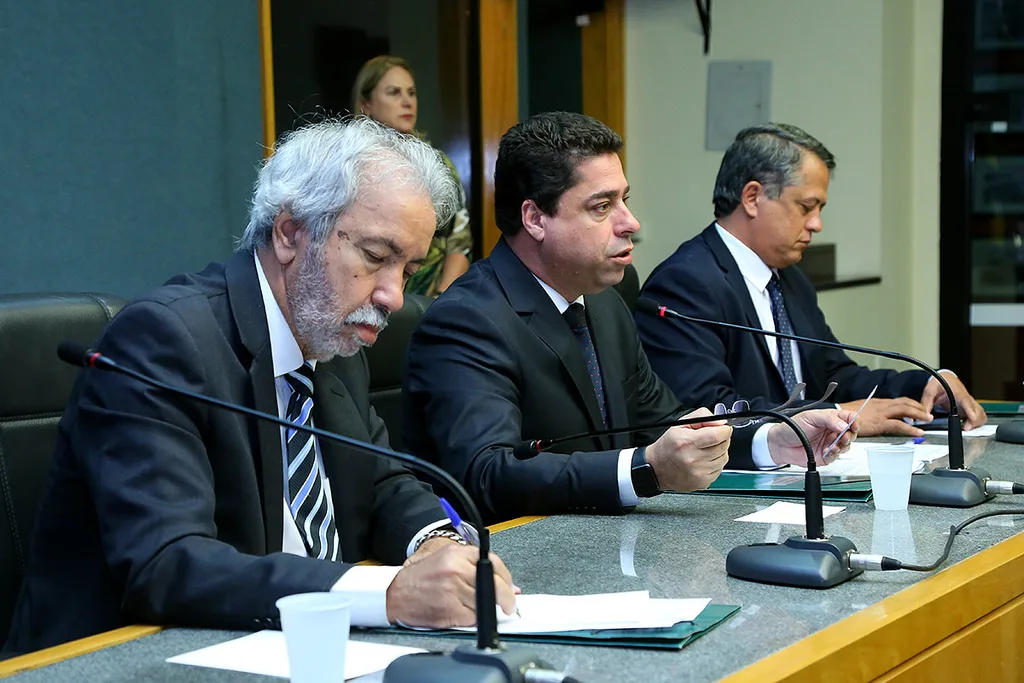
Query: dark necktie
point(576, 316)
point(782, 324)
point(308, 500)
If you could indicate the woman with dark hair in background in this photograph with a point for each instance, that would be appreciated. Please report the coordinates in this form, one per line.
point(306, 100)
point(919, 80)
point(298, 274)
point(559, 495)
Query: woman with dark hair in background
point(385, 90)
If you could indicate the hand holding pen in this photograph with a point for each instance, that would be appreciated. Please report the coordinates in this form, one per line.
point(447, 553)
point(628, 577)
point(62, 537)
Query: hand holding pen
point(467, 532)
point(850, 424)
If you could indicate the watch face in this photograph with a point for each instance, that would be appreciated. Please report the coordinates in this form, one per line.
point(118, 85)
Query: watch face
point(645, 482)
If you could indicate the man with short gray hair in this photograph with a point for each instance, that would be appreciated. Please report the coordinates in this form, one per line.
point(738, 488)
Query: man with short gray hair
point(177, 513)
point(771, 188)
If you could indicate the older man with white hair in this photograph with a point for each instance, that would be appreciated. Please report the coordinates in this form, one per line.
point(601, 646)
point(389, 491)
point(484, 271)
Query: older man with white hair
point(176, 513)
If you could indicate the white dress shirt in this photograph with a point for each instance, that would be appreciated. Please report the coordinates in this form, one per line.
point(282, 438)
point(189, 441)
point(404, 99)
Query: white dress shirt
point(367, 586)
point(627, 494)
point(757, 275)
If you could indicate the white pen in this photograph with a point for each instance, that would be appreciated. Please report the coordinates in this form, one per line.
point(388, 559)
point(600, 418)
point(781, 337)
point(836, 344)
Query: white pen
point(856, 415)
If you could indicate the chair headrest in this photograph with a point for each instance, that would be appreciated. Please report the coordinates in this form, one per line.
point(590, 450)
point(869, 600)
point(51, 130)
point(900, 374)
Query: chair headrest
point(35, 381)
point(386, 357)
point(629, 287)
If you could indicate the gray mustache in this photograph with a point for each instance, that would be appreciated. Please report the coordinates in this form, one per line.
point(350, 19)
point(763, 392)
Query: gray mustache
point(374, 316)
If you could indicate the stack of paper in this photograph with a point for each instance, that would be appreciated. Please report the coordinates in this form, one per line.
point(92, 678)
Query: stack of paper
point(633, 619)
point(854, 462)
point(982, 431)
point(635, 609)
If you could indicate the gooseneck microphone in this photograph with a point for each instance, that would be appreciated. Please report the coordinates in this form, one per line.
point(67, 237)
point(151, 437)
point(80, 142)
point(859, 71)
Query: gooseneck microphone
point(489, 661)
point(953, 486)
point(813, 560)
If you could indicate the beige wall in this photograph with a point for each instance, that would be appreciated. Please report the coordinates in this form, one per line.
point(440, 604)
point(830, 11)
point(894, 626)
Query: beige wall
point(864, 77)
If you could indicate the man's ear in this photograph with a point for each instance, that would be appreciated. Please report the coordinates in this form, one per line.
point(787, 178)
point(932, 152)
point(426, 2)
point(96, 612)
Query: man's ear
point(286, 238)
point(748, 198)
point(533, 220)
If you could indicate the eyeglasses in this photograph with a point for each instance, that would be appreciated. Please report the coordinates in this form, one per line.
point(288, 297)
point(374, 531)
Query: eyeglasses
point(743, 405)
point(740, 406)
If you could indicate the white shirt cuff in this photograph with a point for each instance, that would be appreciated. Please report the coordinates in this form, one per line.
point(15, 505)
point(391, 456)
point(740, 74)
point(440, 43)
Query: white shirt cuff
point(759, 452)
point(627, 494)
point(368, 588)
point(411, 548)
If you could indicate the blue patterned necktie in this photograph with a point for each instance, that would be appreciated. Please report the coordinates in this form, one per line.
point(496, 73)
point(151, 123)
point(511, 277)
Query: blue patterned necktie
point(576, 316)
point(782, 324)
point(307, 496)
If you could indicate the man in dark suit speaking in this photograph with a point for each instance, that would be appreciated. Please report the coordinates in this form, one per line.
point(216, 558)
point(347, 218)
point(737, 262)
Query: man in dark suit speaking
point(162, 510)
point(532, 343)
point(769, 195)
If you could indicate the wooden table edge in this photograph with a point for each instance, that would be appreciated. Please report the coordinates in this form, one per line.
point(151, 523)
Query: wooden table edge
point(978, 585)
point(74, 648)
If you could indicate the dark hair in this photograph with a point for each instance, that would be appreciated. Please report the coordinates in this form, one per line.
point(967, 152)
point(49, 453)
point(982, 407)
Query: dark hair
point(771, 155)
point(537, 159)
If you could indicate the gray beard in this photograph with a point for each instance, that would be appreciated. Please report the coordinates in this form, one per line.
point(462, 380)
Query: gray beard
point(315, 308)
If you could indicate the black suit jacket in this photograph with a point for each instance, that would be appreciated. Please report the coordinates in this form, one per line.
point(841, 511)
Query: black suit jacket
point(705, 365)
point(492, 363)
point(162, 510)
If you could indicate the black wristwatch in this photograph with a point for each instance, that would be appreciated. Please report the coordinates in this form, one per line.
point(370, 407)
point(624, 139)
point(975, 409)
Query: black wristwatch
point(645, 481)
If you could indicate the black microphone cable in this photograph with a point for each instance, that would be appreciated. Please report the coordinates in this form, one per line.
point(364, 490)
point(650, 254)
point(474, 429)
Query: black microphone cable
point(882, 563)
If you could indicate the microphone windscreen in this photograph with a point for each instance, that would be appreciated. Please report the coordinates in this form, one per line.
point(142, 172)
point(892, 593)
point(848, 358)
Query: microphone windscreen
point(524, 450)
point(647, 305)
point(73, 353)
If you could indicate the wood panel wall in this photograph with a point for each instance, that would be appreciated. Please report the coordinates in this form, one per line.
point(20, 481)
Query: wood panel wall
point(499, 97)
point(267, 79)
point(604, 67)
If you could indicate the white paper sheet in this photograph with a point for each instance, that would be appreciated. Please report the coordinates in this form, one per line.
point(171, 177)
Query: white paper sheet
point(786, 513)
point(854, 462)
point(541, 613)
point(264, 653)
point(983, 430)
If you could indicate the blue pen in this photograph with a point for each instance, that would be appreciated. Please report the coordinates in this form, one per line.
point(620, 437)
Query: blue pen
point(918, 439)
point(466, 531)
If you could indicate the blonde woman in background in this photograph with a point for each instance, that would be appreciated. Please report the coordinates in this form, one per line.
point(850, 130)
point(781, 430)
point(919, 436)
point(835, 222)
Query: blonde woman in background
point(385, 90)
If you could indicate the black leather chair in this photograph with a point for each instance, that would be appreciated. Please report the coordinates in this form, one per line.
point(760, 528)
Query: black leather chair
point(33, 391)
point(387, 364)
point(629, 287)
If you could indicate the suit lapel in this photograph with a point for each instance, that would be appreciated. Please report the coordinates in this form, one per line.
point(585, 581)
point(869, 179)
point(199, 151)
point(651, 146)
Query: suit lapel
point(539, 313)
point(243, 292)
point(739, 287)
point(334, 411)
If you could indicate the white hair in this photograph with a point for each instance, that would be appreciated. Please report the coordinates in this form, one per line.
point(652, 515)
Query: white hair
point(318, 170)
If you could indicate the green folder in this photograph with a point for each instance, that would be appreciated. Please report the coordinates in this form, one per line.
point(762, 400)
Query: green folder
point(1003, 407)
point(788, 485)
point(670, 638)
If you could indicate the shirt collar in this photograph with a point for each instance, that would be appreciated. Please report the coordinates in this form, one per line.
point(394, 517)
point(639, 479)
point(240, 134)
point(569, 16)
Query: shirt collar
point(560, 302)
point(285, 350)
point(751, 266)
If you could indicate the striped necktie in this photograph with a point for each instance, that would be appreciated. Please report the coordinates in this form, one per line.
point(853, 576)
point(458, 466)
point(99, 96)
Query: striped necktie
point(307, 496)
point(782, 324)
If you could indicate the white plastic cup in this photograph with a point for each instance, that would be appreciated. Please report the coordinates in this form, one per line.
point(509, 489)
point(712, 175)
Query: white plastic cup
point(316, 629)
point(891, 468)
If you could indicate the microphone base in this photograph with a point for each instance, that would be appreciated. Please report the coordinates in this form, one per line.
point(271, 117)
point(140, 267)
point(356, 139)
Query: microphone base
point(943, 487)
point(801, 562)
point(1011, 432)
point(465, 664)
